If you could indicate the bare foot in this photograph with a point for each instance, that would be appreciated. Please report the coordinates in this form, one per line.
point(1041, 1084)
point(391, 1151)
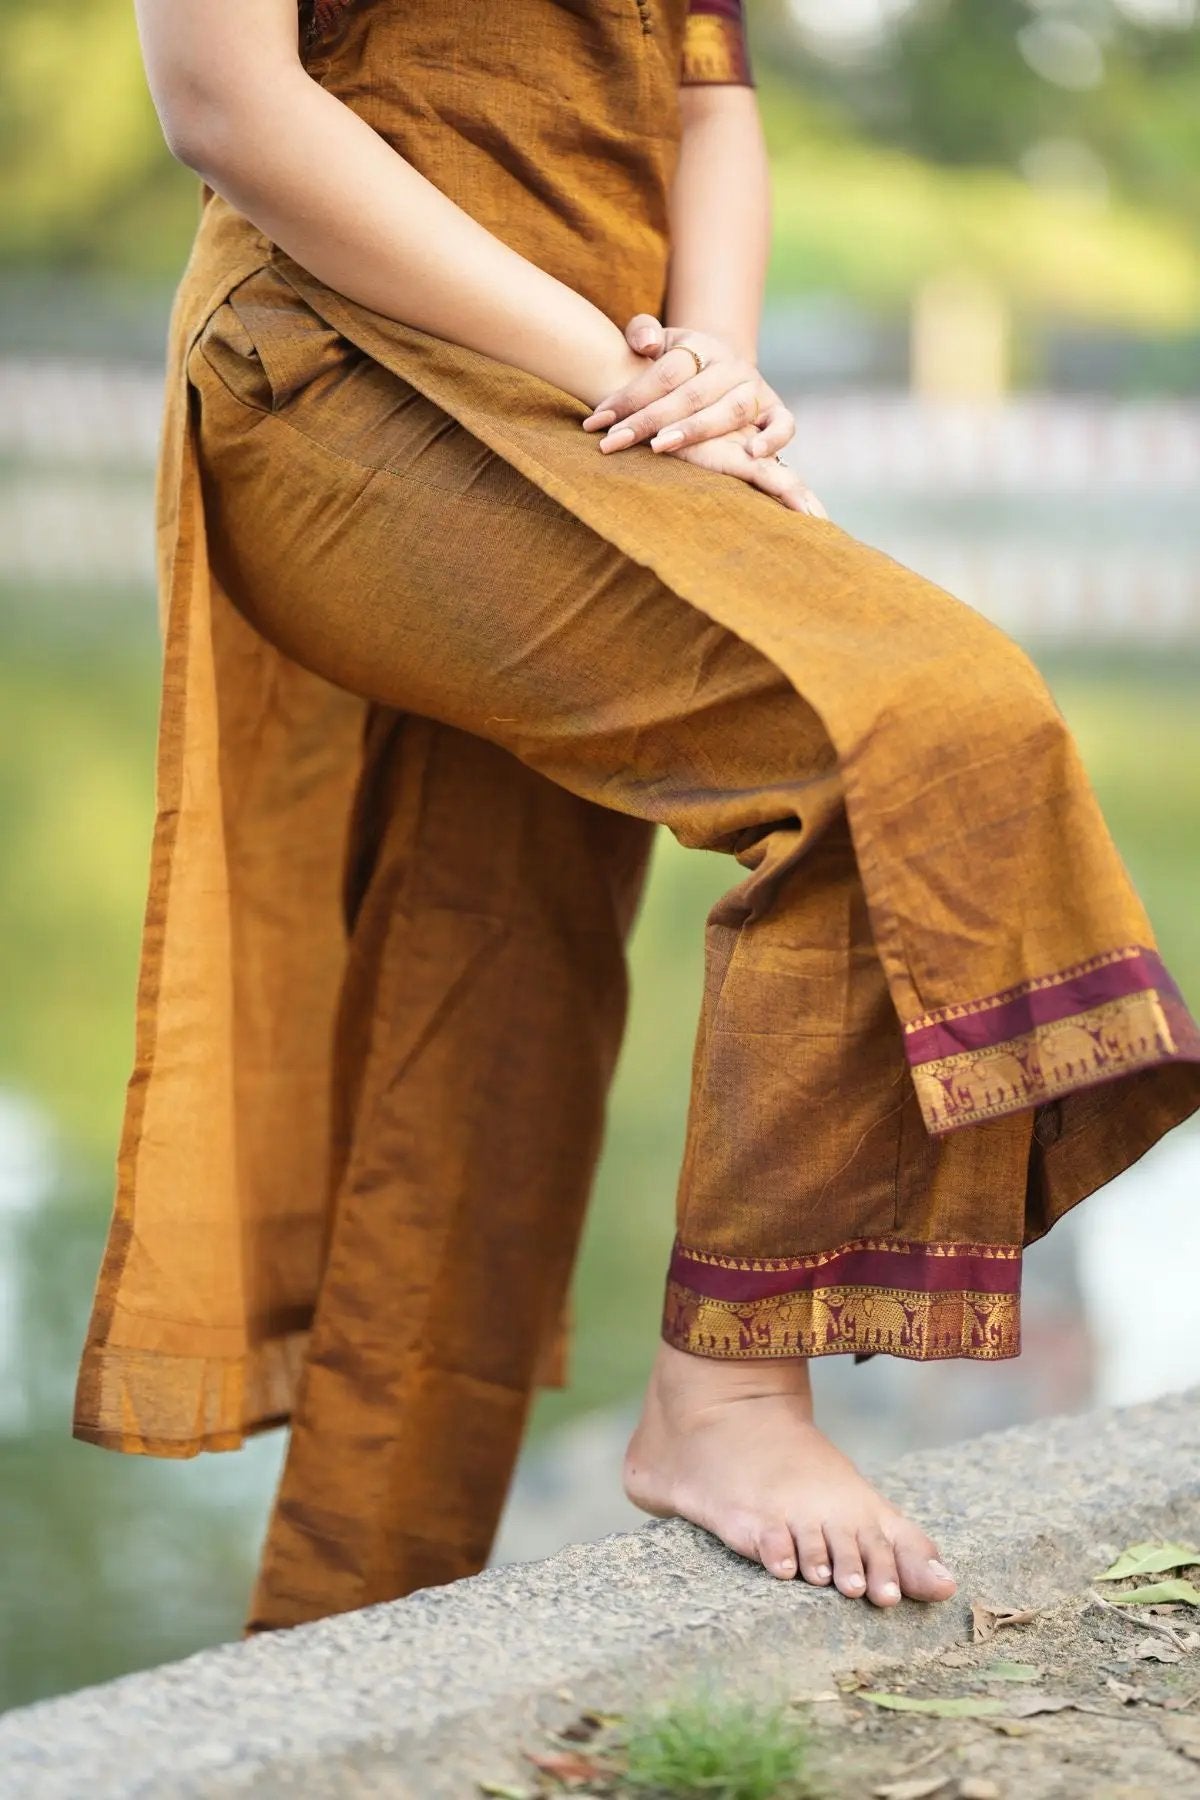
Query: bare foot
point(732, 1447)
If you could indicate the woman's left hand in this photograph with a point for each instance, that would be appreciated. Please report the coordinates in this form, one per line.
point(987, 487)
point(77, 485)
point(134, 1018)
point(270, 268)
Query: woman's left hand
point(674, 404)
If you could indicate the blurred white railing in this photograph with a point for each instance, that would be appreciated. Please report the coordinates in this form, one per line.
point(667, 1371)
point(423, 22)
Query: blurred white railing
point(1079, 518)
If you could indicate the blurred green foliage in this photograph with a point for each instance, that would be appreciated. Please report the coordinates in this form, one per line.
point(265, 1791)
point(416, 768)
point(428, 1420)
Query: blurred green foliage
point(937, 144)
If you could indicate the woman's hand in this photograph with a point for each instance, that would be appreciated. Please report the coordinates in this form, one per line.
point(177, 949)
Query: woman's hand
point(707, 417)
point(673, 403)
point(734, 454)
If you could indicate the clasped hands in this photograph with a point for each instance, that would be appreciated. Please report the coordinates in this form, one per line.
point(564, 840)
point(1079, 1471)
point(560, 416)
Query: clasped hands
point(724, 417)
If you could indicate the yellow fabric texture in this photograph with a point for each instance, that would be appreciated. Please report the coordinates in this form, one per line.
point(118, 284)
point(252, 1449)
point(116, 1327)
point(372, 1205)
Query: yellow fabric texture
point(434, 669)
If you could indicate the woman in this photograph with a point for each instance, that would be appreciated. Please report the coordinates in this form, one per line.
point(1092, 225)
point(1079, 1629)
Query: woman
point(478, 562)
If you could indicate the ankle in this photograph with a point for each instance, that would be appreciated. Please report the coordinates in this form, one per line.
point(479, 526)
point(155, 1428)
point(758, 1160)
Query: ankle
point(680, 1381)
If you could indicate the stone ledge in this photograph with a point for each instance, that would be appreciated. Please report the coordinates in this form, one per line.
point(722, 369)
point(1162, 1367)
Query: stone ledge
point(420, 1699)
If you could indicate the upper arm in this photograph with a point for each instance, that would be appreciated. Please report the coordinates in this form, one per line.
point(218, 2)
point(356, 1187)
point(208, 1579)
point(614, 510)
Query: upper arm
point(204, 58)
point(714, 45)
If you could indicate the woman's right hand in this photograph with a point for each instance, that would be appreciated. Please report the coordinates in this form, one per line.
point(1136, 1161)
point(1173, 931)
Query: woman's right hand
point(730, 455)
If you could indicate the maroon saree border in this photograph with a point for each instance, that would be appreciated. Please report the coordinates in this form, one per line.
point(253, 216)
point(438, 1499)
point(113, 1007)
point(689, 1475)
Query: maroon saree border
point(869, 1263)
point(1116, 1013)
point(875, 1295)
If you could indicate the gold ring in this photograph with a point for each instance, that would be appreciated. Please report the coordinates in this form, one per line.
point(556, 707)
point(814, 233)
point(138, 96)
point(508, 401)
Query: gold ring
point(700, 361)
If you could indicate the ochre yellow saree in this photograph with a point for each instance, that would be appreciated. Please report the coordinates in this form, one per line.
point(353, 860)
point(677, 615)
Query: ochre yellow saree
point(434, 670)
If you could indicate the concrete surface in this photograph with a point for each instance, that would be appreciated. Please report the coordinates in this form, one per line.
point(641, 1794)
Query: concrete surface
point(423, 1698)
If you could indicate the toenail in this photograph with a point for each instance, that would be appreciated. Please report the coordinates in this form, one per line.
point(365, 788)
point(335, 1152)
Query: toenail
point(822, 1571)
point(786, 1567)
point(940, 1569)
point(856, 1581)
point(889, 1591)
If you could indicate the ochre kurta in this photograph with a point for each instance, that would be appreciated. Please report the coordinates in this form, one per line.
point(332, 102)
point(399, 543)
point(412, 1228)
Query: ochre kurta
point(382, 984)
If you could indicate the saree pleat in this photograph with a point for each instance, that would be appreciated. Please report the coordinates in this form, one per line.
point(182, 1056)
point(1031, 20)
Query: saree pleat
point(382, 982)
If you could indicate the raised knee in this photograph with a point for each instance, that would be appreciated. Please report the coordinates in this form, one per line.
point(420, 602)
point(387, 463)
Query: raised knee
point(999, 700)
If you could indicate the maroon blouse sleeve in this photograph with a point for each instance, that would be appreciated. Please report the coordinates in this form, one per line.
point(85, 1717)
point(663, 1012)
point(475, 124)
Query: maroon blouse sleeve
point(714, 44)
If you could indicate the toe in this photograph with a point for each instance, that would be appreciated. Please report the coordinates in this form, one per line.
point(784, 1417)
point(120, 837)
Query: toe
point(879, 1559)
point(777, 1552)
point(813, 1554)
point(849, 1576)
point(923, 1575)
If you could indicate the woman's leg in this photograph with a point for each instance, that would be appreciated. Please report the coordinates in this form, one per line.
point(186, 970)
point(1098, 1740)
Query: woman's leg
point(480, 1020)
point(379, 543)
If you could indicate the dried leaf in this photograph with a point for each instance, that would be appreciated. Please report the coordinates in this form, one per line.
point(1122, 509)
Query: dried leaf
point(966, 1708)
point(1011, 1671)
point(1154, 1649)
point(821, 1699)
point(987, 1620)
point(915, 1788)
point(1182, 1735)
point(850, 1680)
point(1151, 1559)
point(960, 1657)
point(1121, 1690)
point(1011, 1727)
point(1160, 1593)
point(567, 1765)
point(1025, 1706)
point(583, 1729)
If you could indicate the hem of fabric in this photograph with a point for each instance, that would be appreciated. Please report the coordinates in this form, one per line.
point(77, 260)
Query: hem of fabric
point(925, 1302)
point(217, 1402)
point(1115, 1015)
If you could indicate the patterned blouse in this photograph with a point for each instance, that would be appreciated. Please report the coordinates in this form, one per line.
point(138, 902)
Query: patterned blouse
point(714, 40)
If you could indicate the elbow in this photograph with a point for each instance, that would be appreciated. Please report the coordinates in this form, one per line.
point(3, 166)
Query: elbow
point(205, 120)
point(195, 133)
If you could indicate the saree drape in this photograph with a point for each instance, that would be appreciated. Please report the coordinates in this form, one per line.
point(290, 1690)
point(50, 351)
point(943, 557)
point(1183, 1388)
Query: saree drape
point(434, 671)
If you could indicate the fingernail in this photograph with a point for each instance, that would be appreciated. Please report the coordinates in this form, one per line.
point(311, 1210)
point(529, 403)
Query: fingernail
point(643, 340)
point(816, 509)
point(664, 439)
point(889, 1591)
point(940, 1569)
point(601, 417)
point(620, 434)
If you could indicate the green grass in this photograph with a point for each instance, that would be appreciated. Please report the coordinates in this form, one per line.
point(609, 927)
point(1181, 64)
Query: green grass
point(713, 1747)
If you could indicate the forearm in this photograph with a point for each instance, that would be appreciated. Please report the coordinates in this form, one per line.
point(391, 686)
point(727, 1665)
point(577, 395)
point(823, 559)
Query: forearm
point(720, 216)
point(333, 195)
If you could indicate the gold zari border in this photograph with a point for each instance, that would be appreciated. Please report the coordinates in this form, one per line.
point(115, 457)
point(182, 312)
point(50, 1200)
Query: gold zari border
point(831, 1321)
point(714, 49)
point(1113, 1039)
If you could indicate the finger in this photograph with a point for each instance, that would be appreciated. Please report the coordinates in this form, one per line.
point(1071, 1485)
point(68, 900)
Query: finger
point(785, 485)
point(689, 397)
point(671, 373)
point(776, 429)
point(644, 334)
point(734, 409)
point(664, 374)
